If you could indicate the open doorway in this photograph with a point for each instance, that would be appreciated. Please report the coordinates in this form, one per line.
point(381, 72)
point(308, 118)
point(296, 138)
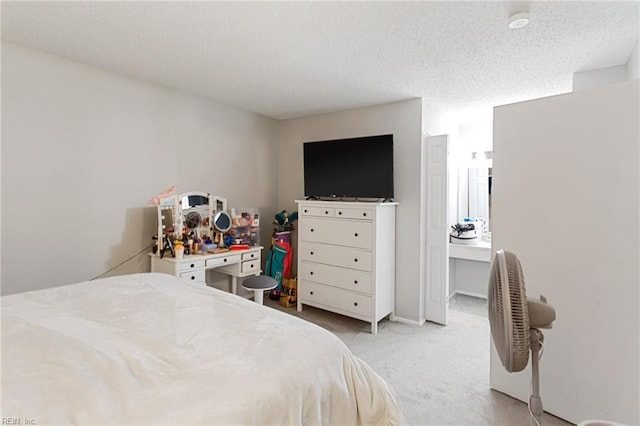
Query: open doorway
point(471, 180)
point(457, 191)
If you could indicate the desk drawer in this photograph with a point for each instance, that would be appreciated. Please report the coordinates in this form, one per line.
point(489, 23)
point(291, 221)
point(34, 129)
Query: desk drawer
point(194, 276)
point(337, 298)
point(250, 267)
point(191, 265)
point(221, 261)
point(254, 255)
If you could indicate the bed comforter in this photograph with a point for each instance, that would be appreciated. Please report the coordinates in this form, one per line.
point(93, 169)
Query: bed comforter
point(153, 349)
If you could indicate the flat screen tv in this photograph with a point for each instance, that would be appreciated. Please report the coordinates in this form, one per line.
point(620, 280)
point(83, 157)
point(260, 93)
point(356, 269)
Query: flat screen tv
point(349, 168)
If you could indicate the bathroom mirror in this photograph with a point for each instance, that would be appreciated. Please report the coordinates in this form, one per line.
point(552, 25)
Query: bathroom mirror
point(474, 194)
point(196, 211)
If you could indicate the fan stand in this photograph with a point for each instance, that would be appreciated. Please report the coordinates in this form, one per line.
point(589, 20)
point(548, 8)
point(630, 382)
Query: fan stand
point(535, 402)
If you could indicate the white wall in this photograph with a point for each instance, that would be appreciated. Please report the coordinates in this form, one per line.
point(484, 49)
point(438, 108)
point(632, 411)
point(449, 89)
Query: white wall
point(567, 202)
point(587, 80)
point(84, 149)
point(403, 119)
point(633, 63)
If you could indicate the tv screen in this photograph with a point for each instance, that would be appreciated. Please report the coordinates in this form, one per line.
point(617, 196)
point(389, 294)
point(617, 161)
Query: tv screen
point(354, 168)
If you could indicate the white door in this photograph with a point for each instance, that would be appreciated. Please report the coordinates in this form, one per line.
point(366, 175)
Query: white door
point(437, 230)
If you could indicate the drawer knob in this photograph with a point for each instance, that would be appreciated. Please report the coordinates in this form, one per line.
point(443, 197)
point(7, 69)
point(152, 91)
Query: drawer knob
point(252, 255)
point(355, 303)
point(355, 281)
point(224, 260)
point(193, 265)
point(305, 210)
point(311, 229)
point(355, 260)
point(251, 266)
point(326, 212)
point(311, 273)
point(340, 213)
point(311, 253)
point(364, 214)
point(310, 292)
point(193, 277)
point(355, 235)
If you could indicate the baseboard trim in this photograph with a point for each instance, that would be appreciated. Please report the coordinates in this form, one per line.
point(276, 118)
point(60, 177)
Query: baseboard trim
point(468, 293)
point(408, 321)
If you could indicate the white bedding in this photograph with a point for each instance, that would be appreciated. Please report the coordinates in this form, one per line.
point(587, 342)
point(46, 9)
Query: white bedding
point(150, 348)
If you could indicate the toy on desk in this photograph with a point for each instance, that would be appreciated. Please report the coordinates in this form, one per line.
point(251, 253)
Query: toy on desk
point(167, 245)
point(178, 249)
point(165, 197)
point(207, 244)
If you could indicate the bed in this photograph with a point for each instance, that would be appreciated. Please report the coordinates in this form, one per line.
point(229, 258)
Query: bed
point(153, 349)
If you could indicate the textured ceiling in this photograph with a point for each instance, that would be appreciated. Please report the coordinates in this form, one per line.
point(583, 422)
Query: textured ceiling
point(290, 59)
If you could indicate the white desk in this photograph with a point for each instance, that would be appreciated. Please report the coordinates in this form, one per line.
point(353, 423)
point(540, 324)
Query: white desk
point(193, 268)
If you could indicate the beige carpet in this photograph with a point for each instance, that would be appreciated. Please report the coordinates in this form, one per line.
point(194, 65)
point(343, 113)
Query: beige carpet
point(439, 375)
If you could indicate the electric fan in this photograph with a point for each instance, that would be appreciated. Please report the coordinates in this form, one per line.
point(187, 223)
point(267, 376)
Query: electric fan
point(515, 322)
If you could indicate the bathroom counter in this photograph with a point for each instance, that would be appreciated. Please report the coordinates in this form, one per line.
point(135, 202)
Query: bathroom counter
point(469, 266)
point(480, 252)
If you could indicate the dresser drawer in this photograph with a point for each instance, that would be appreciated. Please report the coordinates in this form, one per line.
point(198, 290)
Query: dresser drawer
point(227, 260)
point(194, 276)
point(336, 255)
point(359, 213)
point(349, 233)
point(192, 265)
point(318, 211)
point(338, 277)
point(337, 298)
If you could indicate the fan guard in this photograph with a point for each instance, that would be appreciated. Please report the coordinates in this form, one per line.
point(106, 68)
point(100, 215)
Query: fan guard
point(508, 315)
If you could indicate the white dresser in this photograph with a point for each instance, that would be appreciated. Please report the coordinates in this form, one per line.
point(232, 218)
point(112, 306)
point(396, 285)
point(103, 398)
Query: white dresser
point(346, 258)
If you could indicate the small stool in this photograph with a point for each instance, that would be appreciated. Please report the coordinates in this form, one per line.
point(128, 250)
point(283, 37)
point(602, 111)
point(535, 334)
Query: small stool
point(259, 283)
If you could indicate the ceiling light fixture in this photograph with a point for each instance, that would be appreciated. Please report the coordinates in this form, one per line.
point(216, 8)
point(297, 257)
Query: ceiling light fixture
point(518, 20)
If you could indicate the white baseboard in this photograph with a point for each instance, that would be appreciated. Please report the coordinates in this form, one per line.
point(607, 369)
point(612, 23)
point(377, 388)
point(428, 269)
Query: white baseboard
point(468, 293)
point(408, 321)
